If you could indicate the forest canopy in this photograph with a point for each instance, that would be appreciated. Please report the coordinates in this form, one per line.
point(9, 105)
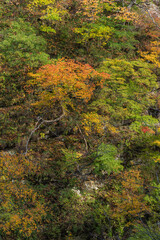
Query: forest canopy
point(80, 120)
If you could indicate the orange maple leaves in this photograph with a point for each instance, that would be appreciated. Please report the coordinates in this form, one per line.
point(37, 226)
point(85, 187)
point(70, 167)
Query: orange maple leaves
point(65, 81)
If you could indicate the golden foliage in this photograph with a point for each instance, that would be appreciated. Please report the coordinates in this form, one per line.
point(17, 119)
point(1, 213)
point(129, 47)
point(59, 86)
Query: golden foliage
point(127, 199)
point(21, 209)
point(153, 53)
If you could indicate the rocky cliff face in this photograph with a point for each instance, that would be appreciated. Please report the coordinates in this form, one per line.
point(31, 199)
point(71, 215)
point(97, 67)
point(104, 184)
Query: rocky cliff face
point(154, 9)
point(156, 2)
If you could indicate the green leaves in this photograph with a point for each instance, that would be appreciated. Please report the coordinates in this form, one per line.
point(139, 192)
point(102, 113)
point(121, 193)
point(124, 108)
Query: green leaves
point(126, 94)
point(87, 129)
point(106, 159)
point(94, 31)
point(149, 121)
point(21, 46)
point(145, 232)
point(22, 50)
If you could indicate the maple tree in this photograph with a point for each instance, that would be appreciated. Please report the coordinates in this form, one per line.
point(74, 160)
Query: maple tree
point(68, 85)
point(65, 80)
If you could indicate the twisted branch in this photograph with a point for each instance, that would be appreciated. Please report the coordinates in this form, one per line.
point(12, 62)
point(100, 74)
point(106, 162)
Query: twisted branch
point(37, 126)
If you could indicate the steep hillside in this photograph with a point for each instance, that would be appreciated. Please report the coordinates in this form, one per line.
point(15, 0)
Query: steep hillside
point(79, 120)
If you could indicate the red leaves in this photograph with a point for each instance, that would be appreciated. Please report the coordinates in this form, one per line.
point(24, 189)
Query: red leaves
point(146, 129)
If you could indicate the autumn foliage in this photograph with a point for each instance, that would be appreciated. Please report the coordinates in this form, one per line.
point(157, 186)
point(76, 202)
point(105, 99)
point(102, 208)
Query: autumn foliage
point(66, 80)
point(128, 197)
point(79, 119)
point(21, 207)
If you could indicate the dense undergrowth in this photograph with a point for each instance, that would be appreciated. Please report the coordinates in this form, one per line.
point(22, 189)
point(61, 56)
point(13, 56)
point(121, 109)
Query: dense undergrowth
point(79, 120)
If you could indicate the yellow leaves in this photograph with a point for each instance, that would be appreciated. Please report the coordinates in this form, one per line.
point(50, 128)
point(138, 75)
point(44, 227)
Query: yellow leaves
point(48, 10)
point(97, 32)
point(153, 53)
point(109, 6)
point(25, 212)
point(25, 224)
point(112, 129)
point(2, 178)
point(125, 14)
point(90, 9)
point(19, 203)
point(79, 154)
point(120, 13)
point(16, 166)
point(156, 143)
point(45, 28)
point(151, 57)
point(157, 160)
point(41, 2)
point(15, 220)
point(151, 44)
point(92, 122)
point(128, 198)
point(42, 135)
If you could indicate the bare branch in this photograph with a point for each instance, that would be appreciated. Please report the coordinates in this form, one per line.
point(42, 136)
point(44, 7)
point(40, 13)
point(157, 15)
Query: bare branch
point(55, 120)
point(86, 144)
point(133, 2)
point(144, 7)
point(151, 17)
point(37, 126)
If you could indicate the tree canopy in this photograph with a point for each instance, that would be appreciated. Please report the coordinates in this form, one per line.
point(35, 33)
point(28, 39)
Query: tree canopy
point(79, 119)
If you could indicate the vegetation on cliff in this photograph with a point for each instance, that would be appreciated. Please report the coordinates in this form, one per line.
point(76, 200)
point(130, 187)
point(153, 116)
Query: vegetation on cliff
point(79, 120)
